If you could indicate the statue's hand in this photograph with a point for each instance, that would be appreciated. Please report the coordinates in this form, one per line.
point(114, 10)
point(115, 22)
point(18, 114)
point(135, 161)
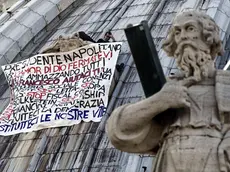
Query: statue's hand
point(174, 95)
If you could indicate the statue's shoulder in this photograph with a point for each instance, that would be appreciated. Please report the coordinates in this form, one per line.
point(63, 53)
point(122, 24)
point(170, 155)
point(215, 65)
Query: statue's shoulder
point(223, 76)
point(223, 90)
point(223, 72)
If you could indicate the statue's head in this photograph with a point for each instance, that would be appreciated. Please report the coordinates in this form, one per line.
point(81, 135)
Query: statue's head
point(66, 43)
point(194, 41)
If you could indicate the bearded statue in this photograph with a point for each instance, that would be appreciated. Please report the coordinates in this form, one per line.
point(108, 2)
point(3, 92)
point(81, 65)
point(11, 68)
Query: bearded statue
point(194, 42)
point(187, 123)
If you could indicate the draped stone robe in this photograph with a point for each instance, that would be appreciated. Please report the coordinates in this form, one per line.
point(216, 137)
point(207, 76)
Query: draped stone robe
point(197, 139)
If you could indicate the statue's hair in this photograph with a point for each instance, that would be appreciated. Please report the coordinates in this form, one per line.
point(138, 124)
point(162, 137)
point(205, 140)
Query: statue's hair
point(210, 34)
point(66, 43)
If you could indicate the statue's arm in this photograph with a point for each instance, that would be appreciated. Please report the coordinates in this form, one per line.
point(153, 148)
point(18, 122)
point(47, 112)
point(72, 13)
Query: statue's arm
point(131, 127)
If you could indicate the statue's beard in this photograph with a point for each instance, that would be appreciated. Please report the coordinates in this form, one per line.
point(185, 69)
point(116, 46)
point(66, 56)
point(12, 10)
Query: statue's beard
point(192, 60)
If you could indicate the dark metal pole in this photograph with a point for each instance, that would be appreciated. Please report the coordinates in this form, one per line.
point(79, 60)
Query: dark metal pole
point(146, 58)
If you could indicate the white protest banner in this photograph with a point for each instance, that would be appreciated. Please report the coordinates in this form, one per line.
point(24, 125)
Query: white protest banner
point(59, 89)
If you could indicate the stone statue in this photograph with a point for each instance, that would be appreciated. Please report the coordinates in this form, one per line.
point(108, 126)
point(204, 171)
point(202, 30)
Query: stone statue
point(66, 43)
point(187, 123)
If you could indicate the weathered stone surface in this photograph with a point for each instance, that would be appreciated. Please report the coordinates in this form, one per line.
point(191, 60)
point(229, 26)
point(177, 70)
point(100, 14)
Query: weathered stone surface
point(46, 152)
